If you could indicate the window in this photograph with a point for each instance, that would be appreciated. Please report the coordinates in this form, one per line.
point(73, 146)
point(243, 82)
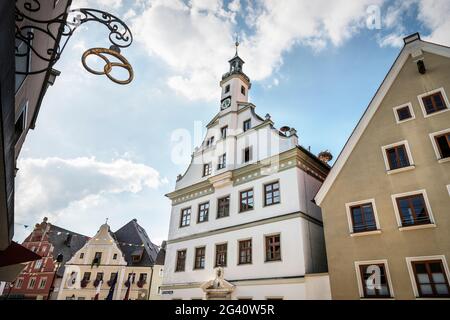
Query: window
point(221, 255)
point(42, 283)
point(21, 123)
point(441, 144)
point(207, 169)
point(273, 248)
point(82, 255)
point(247, 125)
point(271, 194)
point(227, 88)
point(397, 156)
point(224, 132)
point(115, 256)
point(246, 201)
point(113, 277)
point(243, 90)
point(203, 212)
point(431, 278)
point(404, 113)
point(363, 218)
point(181, 261)
point(19, 283)
point(87, 276)
point(412, 210)
point(143, 278)
point(222, 162)
point(32, 283)
point(185, 217)
point(433, 102)
point(97, 258)
point(199, 258)
point(99, 276)
point(373, 278)
point(247, 155)
point(131, 277)
point(38, 264)
point(209, 142)
point(23, 58)
point(245, 252)
point(223, 207)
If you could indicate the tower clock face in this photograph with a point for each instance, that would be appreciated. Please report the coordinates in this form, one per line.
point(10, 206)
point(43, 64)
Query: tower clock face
point(226, 103)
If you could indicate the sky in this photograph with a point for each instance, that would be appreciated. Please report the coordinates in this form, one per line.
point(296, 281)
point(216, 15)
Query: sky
point(101, 150)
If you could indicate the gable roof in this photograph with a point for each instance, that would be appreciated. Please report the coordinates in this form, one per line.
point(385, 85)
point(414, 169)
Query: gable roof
point(413, 44)
point(133, 233)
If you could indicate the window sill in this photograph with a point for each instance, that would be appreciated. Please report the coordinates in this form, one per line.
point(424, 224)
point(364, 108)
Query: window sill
point(412, 167)
point(375, 299)
point(432, 298)
point(444, 160)
point(418, 227)
point(435, 113)
point(366, 233)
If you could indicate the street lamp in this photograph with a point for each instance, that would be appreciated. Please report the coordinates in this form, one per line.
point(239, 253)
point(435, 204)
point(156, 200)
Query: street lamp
point(61, 29)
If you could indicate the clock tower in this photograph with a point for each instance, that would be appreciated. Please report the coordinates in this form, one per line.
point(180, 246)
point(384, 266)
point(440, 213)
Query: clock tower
point(235, 85)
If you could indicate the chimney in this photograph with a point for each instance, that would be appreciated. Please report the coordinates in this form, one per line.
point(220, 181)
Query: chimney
point(411, 38)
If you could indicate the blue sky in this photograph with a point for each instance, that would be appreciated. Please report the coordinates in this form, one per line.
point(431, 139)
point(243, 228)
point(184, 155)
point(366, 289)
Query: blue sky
point(101, 150)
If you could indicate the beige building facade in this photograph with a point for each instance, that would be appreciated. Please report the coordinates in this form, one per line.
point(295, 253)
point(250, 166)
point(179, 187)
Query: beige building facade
point(119, 264)
point(386, 201)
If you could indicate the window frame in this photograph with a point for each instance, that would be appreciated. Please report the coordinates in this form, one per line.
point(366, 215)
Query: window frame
point(24, 111)
point(398, 216)
point(250, 155)
point(266, 248)
point(181, 225)
point(222, 162)
point(350, 205)
point(223, 130)
point(359, 278)
point(243, 90)
point(412, 274)
point(408, 154)
point(29, 60)
point(200, 211)
point(207, 169)
point(241, 210)
point(216, 265)
point(244, 123)
point(199, 267)
point(42, 283)
point(31, 283)
point(411, 111)
point(264, 193)
point(435, 145)
point(227, 88)
point(239, 263)
point(177, 260)
point(429, 93)
point(218, 207)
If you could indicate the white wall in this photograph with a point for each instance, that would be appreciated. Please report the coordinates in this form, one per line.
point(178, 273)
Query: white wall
point(290, 202)
point(292, 263)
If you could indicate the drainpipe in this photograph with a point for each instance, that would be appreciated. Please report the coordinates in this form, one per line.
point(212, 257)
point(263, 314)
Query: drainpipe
point(151, 280)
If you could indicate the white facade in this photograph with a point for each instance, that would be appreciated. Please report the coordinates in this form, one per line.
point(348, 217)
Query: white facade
point(257, 154)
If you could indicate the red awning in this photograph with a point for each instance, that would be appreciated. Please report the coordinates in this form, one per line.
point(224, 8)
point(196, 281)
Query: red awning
point(16, 254)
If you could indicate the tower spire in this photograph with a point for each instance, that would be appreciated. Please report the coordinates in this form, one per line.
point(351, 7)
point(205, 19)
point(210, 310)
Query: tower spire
point(237, 45)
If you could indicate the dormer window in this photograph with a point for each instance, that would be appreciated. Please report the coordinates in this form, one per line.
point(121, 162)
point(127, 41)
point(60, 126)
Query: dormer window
point(243, 90)
point(227, 88)
point(136, 257)
point(247, 125)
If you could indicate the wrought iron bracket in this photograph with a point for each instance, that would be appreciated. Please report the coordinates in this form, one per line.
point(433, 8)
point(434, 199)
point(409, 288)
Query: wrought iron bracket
point(60, 29)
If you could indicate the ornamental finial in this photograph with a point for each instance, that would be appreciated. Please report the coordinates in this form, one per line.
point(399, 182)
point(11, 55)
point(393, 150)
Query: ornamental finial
point(237, 44)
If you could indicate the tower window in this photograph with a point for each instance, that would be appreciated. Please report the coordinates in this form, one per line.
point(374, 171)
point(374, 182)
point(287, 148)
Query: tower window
point(243, 90)
point(227, 88)
point(247, 125)
point(224, 132)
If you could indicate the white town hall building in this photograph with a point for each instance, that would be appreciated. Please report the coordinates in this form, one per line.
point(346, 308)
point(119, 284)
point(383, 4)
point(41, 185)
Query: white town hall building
point(243, 224)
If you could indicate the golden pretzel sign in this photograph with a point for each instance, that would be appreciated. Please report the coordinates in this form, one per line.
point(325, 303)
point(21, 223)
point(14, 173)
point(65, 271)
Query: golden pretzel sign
point(103, 53)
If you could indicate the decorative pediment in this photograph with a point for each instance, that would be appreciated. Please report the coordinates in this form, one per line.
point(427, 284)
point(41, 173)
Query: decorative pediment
point(218, 288)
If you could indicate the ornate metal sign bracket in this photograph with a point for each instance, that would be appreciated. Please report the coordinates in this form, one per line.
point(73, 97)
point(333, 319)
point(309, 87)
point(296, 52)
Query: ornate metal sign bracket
point(60, 29)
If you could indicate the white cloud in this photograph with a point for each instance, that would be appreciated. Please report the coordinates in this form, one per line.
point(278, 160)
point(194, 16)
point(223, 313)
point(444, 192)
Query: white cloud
point(196, 38)
point(53, 186)
point(97, 4)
